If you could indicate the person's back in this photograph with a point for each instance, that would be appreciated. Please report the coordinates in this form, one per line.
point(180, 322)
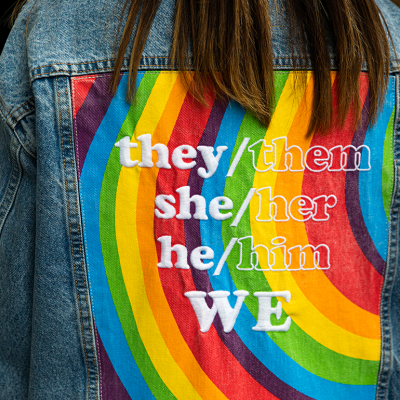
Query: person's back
point(177, 247)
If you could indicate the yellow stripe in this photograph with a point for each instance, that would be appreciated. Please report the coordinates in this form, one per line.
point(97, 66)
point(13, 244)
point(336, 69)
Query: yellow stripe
point(309, 319)
point(179, 349)
point(125, 215)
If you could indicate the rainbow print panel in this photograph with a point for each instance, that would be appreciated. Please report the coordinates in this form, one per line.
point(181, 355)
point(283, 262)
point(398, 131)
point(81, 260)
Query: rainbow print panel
point(227, 260)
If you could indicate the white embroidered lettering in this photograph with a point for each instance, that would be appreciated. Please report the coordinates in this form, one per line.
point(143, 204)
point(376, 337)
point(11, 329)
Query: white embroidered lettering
point(301, 208)
point(280, 248)
point(166, 249)
point(215, 206)
point(252, 261)
point(265, 310)
point(225, 256)
point(243, 207)
point(147, 157)
point(185, 200)
point(209, 159)
point(238, 156)
point(350, 158)
point(321, 205)
point(228, 315)
point(206, 315)
point(125, 147)
point(184, 152)
point(309, 257)
point(200, 253)
point(167, 209)
point(317, 158)
point(338, 159)
point(268, 149)
point(246, 247)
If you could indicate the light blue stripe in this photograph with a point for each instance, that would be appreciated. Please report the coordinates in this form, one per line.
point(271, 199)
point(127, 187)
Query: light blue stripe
point(259, 343)
point(370, 182)
point(105, 314)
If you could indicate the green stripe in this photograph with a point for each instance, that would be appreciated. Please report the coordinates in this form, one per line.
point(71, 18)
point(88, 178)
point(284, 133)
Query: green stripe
point(311, 355)
point(110, 249)
point(388, 167)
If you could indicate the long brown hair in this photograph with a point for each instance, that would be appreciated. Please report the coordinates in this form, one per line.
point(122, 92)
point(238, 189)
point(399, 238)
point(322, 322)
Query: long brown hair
point(232, 50)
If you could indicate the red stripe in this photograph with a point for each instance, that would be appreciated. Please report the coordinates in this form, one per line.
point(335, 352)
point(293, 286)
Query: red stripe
point(210, 352)
point(80, 89)
point(350, 272)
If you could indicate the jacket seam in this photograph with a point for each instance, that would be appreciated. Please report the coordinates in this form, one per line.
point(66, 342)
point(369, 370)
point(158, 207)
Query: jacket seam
point(15, 133)
point(25, 136)
point(12, 188)
point(386, 348)
point(70, 233)
point(144, 57)
point(80, 241)
point(13, 111)
point(386, 331)
point(142, 65)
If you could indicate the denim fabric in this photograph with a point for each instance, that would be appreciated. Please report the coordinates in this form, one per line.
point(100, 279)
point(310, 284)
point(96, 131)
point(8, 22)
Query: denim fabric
point(389, 384)
point(47, 336)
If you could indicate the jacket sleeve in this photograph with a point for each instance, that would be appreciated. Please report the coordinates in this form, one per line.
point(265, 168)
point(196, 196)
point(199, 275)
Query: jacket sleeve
point(17, 215)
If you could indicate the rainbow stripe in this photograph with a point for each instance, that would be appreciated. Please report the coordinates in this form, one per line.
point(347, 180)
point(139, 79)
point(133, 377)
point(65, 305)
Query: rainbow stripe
point(149, 342)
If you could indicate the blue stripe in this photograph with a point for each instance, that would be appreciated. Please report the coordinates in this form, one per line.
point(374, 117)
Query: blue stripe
point(105, 314)
point(370, 182)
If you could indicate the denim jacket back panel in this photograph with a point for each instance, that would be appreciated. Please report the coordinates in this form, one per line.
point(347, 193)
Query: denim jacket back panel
point(57, 345)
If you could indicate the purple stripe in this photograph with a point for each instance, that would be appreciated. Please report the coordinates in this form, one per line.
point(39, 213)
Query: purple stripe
point(255, 367)
point(195, 182)
point(232, 341)
point(110, 384)
point(353, 205)
point(89, 117)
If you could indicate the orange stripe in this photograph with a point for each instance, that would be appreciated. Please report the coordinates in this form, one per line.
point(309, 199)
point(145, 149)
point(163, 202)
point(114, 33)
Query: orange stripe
point(148, 253)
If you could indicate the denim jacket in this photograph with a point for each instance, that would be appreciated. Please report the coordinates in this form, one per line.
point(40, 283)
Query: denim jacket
point(172, 249)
